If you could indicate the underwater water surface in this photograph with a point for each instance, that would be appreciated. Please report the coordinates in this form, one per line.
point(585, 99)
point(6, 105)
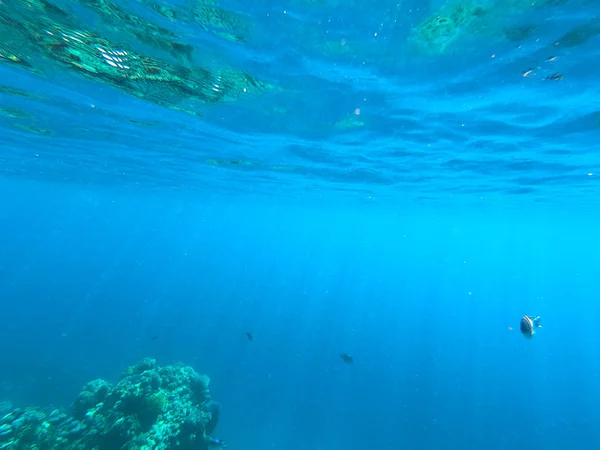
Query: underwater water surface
point(385, 100)
point(338, 211)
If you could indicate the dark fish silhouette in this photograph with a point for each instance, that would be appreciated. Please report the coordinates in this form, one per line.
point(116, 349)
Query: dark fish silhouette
point(249, 336)
point(347, 358)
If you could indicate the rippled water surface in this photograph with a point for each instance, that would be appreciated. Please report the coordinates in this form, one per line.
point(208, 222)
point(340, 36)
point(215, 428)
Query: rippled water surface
point(422, 100)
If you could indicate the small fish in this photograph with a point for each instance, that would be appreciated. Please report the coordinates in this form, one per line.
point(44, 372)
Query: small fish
point(551, 59)
point(154, 337)
point(528, 325)
point(528, 73)
point(555, 76)
point(212, 442)
point(347, 358)
point(249, 336)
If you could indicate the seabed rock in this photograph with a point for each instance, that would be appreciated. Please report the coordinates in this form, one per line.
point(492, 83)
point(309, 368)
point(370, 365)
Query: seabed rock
point(149, 408)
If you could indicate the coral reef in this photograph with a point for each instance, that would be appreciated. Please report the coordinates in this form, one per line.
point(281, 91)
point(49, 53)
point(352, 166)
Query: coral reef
point(149, 408)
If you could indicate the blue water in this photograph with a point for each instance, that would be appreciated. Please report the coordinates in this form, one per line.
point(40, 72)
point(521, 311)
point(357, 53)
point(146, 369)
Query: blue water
point(401, 206)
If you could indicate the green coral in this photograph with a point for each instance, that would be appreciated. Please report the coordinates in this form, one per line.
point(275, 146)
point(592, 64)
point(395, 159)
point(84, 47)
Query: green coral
point(149, 408)
point(158, 402)
point(91, 395)
point(139, 368)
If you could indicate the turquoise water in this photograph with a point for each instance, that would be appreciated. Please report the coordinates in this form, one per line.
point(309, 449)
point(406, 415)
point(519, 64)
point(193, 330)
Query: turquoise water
point(361, 107)
point(398, 182)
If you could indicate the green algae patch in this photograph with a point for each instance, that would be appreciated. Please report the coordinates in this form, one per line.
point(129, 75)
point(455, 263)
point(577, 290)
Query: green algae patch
point(15, 113)
point(337, 47)
point(242, 164)
point(208, 16)
point(349, 122)
point(8, 90)
point(442, 28)
point(579, 35)
point(34, 33)
point(456, 21)
point(35, 130)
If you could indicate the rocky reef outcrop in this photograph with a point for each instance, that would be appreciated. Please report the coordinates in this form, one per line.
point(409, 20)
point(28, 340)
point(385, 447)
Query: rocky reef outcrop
point(149, 408)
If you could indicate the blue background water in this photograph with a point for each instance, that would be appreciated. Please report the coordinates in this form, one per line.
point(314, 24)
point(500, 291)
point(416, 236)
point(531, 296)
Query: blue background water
point(414, 243)
point(422, 300)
